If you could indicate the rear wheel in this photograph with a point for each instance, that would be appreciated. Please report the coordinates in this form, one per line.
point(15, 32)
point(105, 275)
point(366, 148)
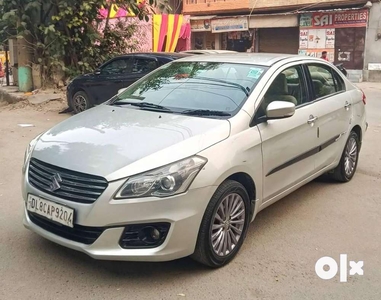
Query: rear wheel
point(80, 102)
point(224, 226)
point(346, 169)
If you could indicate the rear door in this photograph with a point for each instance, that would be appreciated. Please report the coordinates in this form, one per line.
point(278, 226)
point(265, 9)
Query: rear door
point(288, 145)
point(333, 109)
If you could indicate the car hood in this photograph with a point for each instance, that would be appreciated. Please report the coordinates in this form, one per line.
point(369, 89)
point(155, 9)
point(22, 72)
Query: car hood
point(116, 142)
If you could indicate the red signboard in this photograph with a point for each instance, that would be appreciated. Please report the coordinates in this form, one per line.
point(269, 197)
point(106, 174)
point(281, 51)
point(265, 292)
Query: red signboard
point(354, 18)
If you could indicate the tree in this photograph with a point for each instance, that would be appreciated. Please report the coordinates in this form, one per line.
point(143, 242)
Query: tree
point(70, 35)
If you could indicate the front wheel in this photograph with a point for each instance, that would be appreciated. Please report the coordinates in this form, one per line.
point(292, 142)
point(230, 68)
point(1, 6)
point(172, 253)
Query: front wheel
point(346, 169)
point(80, 102)
point(224, 226)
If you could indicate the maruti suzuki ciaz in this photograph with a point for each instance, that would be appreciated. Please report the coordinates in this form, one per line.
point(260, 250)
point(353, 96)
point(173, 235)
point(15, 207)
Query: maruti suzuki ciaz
point(181, 162)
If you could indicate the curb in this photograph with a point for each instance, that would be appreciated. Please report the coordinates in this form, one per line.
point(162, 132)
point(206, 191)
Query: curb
point(11, 95)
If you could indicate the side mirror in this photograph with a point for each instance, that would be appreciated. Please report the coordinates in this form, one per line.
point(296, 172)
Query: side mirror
point(97, 72)
point(121, 91)
point(280, 110)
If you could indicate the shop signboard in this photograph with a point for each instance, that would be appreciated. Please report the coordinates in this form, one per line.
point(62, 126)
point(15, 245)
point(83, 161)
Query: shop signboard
point(338, 19)
point(200, 25)
point(374, 67)
point(230, 24)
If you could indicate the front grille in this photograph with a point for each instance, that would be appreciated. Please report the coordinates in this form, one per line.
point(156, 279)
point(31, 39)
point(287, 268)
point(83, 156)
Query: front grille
point(80, 234)
point(73, 186)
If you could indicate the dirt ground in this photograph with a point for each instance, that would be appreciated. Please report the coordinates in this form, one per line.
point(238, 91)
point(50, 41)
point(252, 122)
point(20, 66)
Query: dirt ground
point(277, 260)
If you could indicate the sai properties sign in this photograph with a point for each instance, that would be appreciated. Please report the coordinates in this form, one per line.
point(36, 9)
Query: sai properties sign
point(350, 18)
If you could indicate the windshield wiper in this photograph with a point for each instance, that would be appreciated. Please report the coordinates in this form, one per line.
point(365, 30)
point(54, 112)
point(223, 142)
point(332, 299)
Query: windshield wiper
point(241, 87)
point(205, 112)
point(143, 105)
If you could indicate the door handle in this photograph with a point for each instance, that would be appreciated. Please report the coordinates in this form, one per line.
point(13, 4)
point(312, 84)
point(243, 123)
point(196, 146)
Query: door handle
point(312, 119)
point(347, 105)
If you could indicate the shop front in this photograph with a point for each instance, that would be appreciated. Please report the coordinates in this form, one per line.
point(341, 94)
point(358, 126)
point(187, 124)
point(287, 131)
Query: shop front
point(341, 34)
point(276, 33)
point(221, 33)
point(202, 36)
point(233, 33)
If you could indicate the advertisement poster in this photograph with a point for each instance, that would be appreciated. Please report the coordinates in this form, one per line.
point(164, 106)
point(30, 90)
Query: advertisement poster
point(350, 18)
point(330, 38)
point(316, 39)
point(303, 39)
point(318, 52)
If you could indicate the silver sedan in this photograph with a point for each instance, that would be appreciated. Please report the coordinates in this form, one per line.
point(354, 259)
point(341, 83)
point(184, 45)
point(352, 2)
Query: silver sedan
point(183, 160)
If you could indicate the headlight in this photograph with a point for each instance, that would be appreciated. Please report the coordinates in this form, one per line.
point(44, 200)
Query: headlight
point(29, 150)
point(166, 181)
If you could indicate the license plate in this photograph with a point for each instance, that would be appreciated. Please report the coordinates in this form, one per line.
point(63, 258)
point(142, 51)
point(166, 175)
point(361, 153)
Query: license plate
point(53, 211)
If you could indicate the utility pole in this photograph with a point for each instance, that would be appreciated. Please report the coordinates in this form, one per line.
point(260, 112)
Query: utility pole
point(6, 64)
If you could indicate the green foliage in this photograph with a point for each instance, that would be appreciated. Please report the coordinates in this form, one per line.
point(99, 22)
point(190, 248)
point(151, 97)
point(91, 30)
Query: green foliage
point(69, 35)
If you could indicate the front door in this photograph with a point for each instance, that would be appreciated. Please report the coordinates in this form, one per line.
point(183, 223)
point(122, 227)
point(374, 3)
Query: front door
point(288, 145)
point(333, 106)
point(108, 82)
point(141, 66)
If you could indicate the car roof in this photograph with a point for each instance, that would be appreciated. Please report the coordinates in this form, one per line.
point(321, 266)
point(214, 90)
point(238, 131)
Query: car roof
point(262, 59)
point(207, 51)
point(156, 54)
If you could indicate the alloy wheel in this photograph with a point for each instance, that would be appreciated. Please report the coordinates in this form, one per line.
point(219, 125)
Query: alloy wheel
point(350, 158)
point(80, 103)
point(228, 224)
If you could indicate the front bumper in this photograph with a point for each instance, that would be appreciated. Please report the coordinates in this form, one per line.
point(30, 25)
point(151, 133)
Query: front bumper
point(183, 212)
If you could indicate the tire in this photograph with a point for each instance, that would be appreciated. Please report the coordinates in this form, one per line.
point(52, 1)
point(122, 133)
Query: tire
point(80, 102)
point(205, 253)
point(346, 169)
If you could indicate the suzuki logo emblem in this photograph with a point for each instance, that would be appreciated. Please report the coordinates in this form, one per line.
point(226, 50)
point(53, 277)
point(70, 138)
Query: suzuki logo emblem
point(56, 180)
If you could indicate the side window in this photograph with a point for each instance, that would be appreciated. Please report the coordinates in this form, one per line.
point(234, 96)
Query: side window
point(117, 66)
point(287, 86)
point(144, 65)
point(340, 84)
point(322, 80)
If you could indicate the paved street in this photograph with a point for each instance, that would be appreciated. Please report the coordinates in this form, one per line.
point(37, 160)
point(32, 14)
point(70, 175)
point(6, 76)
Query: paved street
point(277, 260)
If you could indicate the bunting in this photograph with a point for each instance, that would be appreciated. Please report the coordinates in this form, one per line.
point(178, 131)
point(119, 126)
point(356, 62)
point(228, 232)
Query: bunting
point(117, 12)
point(166, 28)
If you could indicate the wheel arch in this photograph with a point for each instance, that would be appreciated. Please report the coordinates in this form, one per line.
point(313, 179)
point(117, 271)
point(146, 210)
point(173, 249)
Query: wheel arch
point(248, 183)
point(357, 129)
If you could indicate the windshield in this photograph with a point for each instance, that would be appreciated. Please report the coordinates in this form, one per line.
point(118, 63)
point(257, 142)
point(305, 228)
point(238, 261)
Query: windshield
point(194, 86)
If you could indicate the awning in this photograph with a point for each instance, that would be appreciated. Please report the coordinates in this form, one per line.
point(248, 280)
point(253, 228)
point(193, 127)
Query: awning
point(202, 17)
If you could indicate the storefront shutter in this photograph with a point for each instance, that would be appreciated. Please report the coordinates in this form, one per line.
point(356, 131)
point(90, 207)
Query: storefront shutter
point(279, 40)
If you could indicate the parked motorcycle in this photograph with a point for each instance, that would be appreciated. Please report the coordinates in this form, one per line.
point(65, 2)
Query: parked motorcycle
point(342, 69)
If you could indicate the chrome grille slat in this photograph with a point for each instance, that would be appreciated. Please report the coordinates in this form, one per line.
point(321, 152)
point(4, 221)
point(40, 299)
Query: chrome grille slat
point(43, 180)
point(38, 184)
point(86, 190)
point(66, 182)
point(72, 183)
point(74, 190)
point(66, 175)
